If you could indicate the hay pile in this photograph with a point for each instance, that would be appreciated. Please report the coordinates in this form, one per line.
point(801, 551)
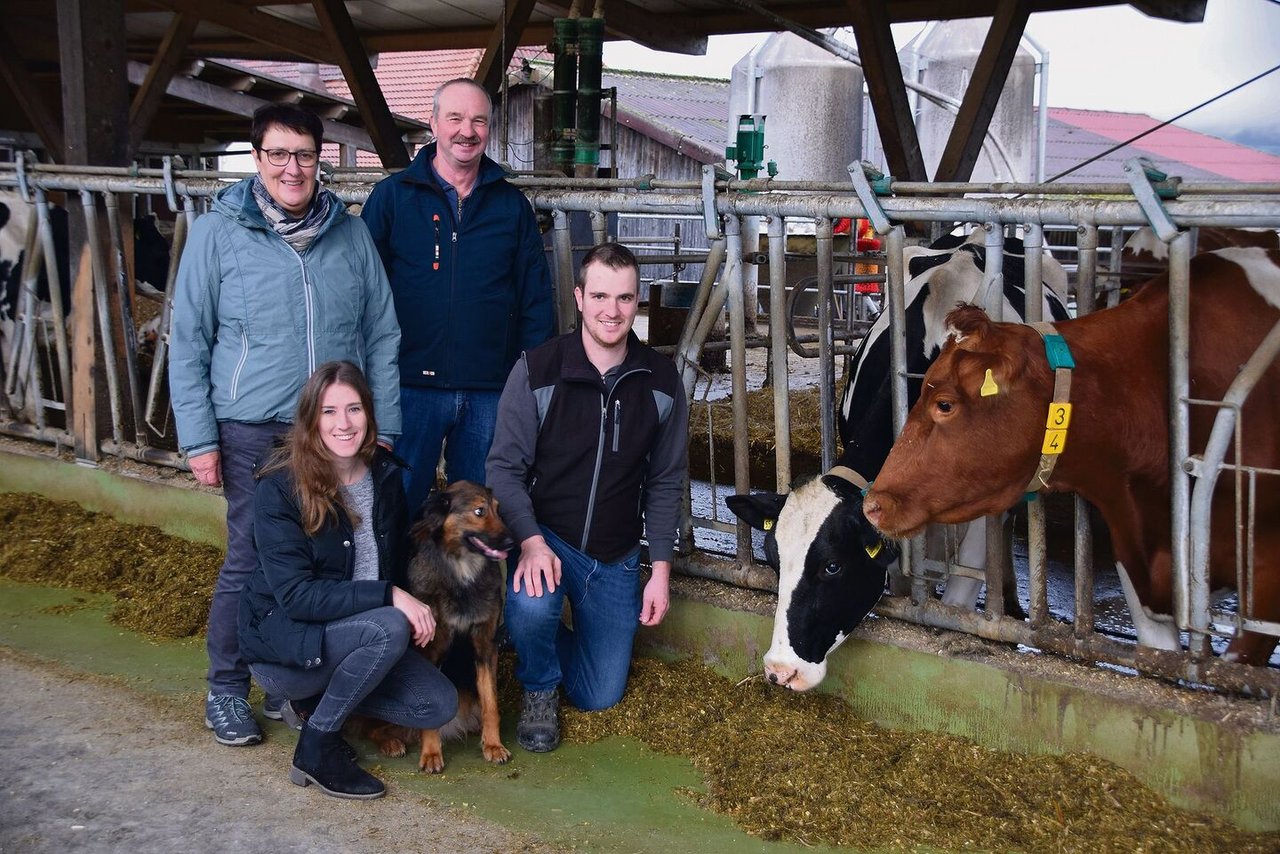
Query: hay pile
point(162, 584)
point(806, 436)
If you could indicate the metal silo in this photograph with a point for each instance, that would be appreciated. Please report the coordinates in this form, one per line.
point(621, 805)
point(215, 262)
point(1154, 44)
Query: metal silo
point(942, 57)
point(812, 103)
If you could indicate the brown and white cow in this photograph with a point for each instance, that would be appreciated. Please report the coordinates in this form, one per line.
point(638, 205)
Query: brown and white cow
point(974, 437)
point(1146, 256)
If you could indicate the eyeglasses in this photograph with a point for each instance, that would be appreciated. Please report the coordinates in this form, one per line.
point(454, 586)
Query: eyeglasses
point(280, 157)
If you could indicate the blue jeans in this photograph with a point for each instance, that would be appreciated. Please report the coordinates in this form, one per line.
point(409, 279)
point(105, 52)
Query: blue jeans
point(240, 444)
point(368, 667)
point(461, 420)
point(593, 658)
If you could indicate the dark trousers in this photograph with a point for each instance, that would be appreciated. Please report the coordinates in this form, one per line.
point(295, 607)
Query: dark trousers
point(241, 445)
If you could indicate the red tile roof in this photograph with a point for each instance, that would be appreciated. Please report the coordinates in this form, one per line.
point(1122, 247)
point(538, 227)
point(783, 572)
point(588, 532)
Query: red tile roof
point(1179, 151)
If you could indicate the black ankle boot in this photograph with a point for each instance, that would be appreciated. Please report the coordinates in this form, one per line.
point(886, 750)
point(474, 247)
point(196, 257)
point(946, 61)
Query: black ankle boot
point(322, 758)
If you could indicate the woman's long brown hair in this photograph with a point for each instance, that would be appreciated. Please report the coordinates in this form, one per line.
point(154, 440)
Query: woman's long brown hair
point(304, 453)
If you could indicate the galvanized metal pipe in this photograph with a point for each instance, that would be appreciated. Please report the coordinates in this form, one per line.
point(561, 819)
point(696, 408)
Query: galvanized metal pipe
point(159, 357)
point(1180, 435)
point(738, 379)
point(778, 353)
point(1207, 469)
point(128, 333)
point(54, 276)
point(562, 252)
point(1086, 269)
point(826, 356)
point(98, 268)
point(692, 349)
point(600, 228)
point(1037, 545)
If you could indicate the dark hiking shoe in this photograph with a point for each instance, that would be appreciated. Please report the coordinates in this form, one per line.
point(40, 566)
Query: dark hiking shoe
point(539, 728)
point(231, 720)
point(323, 758)
point(271, 707)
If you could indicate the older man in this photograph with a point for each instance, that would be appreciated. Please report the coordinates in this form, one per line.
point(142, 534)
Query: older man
point(591, 451)
point(472, 289)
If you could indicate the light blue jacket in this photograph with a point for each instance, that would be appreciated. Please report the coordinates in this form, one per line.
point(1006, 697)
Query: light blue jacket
point(252, 319)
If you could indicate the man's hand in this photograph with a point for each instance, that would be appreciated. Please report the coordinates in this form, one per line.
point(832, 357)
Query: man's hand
point(207, 468)
point(657, 594)
point(421, 620)
point(538, 566)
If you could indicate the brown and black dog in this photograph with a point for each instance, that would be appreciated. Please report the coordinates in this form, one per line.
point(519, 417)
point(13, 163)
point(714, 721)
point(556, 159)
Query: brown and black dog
point(460, 538)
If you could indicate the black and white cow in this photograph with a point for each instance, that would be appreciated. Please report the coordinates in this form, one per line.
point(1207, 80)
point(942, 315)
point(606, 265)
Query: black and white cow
point(831, 562)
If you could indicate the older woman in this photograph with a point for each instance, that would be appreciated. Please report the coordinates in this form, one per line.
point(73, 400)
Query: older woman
point(324, 619)
point(274, 281)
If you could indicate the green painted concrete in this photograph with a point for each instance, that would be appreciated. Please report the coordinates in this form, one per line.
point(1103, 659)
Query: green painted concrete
point(613, 796)
point(622, 791)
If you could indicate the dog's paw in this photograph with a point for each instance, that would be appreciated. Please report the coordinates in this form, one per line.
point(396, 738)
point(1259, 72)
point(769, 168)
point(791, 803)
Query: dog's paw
point(496, 753)
point(392, 747)
point(431, 762)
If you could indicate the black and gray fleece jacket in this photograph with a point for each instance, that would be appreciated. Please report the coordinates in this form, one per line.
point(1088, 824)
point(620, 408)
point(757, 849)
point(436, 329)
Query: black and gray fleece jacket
point(597, 464)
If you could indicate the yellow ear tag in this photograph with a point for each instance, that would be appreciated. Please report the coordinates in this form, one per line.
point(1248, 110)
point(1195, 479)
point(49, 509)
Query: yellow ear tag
point(768, 524)
point(989, 386)
point(872, 551)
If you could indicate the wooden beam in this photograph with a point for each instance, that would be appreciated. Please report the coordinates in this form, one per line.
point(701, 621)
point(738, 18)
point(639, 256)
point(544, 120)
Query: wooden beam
point(289, 39)
point(887, 90)
point(979, 104)
point(235, 103)
point(146, 101)
point(14, 72)
point(503, 43)
point(365, 90)
point(628, 21)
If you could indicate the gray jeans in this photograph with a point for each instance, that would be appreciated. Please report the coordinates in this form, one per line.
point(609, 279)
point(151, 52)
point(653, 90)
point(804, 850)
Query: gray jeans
point(367, 666)
point(241, 444)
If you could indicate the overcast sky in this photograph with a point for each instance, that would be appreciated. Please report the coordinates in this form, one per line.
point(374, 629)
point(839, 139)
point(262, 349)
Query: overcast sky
point(1113, 58)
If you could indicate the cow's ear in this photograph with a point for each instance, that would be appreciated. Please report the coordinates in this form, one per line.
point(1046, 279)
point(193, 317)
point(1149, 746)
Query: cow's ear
point(759, 509)
point(843, 488)
point(881, 550)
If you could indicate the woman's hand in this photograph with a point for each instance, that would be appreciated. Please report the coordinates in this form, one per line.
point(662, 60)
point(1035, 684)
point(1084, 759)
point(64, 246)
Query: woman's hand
point(421, 620)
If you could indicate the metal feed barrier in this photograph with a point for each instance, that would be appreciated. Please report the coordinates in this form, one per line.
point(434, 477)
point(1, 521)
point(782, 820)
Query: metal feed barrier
point(43, 377)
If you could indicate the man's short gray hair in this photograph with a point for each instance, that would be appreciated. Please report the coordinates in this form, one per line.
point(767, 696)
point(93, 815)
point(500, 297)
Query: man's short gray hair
point(459, 81)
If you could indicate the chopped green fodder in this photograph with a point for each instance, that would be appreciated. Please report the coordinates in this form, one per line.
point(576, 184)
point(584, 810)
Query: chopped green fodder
point(161, 584)
point(797, 767)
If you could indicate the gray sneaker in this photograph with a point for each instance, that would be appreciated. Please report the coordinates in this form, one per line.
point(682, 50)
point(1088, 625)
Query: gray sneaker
point(539, 727)
point(231, 720)
point(271, 708)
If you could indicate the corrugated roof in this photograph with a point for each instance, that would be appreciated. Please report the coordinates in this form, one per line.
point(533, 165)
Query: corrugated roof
point(1074, 136)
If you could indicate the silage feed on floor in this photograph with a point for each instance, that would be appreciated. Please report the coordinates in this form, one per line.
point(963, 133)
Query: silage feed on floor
point(783, 766)
point(161, 584)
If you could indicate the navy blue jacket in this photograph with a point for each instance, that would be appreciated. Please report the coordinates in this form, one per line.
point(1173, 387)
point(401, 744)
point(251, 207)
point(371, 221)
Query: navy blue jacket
point(303, 582)
point(471, 288)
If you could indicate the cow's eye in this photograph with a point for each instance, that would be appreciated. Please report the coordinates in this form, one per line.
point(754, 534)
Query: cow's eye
point(833, 568)
point(944, 406)
point(479, 511)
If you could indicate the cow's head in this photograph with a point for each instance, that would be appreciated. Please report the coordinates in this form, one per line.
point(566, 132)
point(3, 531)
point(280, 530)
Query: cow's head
point(973, 439)
point(831, 572)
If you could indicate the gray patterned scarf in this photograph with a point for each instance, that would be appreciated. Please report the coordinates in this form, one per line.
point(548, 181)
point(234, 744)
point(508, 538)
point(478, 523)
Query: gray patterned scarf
point(298, 233)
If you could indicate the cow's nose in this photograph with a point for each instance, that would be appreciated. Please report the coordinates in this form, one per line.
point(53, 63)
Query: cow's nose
point(773, 677)
point(873, 510)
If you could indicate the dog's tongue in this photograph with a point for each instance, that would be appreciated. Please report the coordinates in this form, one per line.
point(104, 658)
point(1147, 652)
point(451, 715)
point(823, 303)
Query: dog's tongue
point(494, 554)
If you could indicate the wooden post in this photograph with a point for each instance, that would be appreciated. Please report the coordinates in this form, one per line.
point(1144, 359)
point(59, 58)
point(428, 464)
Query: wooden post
point(95, 119)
